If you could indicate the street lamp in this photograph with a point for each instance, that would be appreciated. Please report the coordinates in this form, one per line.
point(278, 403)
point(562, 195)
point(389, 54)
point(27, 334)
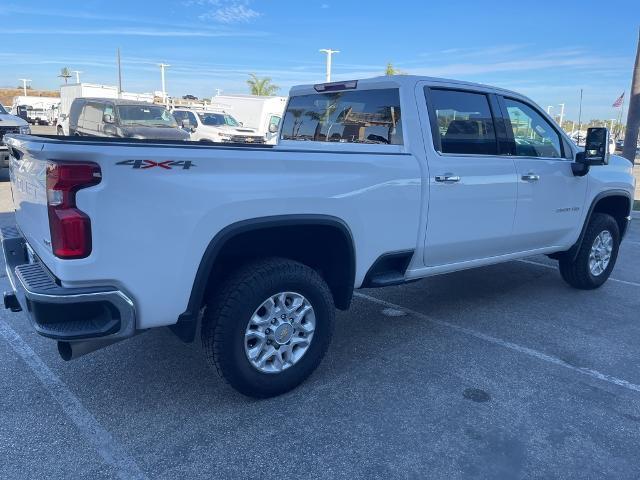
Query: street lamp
point(164, 89)
point(549, 107)
point(77, 72)
point(329, 53)
point(24, 84)
point(561, 113)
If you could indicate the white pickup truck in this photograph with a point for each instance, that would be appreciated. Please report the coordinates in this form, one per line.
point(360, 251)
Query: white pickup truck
point(373, 183)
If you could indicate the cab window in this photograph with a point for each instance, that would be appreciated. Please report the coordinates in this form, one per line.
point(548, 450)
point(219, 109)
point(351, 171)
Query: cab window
point(532, 133)
point(274, 120)
point(462, 122)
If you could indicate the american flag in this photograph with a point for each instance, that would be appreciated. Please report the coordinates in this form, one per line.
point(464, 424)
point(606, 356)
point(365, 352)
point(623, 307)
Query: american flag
point(618, 102)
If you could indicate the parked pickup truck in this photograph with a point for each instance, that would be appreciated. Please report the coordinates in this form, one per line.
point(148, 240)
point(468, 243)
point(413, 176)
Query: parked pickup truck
point(373, 183)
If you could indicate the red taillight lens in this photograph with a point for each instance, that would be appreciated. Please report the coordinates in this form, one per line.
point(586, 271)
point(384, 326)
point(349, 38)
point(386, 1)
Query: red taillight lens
point(70, 227)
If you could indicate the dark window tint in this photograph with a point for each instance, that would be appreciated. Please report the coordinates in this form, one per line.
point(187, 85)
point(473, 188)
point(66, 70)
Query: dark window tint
point(365, 116)
point(463, 123)
point(533, 134)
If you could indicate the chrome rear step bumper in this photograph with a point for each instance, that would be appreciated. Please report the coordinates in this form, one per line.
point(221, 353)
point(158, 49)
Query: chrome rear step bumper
point(65, 314)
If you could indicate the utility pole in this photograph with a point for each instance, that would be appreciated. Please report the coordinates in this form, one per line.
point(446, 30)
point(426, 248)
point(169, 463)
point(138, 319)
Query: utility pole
point(24, 84)
point(633, 115)
point(119, 74)
point(164, 88)
point(77, 72)
point(329, 53)
point(580, 117)
point(561, 113)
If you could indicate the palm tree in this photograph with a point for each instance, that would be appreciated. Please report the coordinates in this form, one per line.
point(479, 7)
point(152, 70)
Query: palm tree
point(65, 74)
point(297, 122)
point(261, 86)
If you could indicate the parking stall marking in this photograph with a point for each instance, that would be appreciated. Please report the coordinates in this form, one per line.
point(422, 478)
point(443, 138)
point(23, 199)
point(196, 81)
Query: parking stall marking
point(540, 264)
point(506, 344)
point(111, 452)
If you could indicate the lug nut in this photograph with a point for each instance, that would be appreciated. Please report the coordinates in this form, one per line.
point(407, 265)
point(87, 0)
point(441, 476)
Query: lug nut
point(268, 342)
point(283, 316)
point(274, 321)
point(268, 331)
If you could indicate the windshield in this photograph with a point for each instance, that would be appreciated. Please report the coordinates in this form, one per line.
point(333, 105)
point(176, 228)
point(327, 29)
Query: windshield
point(2, 110)
point(217, 119)
point(146, 115)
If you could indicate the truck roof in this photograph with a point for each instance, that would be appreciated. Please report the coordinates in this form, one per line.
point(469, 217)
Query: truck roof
point(403, 81)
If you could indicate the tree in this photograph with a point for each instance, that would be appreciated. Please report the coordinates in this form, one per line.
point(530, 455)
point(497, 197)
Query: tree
point(633, 115)
point(261, 86)
point(28, 87)
point(391, 70)
point(65, 74)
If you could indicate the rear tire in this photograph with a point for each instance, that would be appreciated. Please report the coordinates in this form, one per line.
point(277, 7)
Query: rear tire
point(596, 256)
point(230, 317)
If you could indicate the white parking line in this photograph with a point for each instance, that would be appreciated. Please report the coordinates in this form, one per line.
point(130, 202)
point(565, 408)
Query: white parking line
point(112, 453)
point(510, 345)
point(540, 264)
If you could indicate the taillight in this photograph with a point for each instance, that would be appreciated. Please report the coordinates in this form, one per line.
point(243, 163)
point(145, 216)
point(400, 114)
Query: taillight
point(70, 227)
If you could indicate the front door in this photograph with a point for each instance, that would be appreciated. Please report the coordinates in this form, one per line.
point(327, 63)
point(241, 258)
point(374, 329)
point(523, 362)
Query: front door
point(472, 188)
point(550, 197)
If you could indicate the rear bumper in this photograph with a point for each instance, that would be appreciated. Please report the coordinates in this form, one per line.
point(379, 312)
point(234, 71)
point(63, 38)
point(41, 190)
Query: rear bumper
point(65, 314)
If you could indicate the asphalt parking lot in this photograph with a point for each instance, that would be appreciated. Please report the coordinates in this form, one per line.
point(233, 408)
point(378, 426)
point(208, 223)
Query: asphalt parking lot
point(499, 372)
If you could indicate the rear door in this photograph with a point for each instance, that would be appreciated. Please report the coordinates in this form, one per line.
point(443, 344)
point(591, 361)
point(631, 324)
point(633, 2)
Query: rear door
point(473, 188)
point(92, 119)
point(550, 197)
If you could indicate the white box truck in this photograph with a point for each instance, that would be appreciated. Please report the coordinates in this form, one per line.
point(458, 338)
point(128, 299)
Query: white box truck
point(36, 110)
point(68, 93)
point(263, 114)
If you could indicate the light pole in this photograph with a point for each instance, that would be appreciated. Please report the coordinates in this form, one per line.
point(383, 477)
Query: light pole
point(549, 107)
point(329, 53)
point(24, 84)
point(77, 72)
point(164, 90)
point(561, 113)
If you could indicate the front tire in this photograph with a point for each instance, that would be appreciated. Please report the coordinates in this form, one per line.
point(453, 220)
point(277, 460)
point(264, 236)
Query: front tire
point(596, 256)
point(268, 326)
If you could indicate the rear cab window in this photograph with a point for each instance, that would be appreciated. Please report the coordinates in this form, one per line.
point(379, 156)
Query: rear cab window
point(351, 116)
point(461, 122)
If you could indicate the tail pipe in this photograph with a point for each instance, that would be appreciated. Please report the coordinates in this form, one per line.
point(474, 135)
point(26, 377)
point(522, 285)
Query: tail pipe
point(72, 350)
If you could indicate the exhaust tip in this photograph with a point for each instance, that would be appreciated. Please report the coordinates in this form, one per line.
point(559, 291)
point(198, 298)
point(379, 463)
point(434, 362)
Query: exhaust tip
point(11, 302)
point(65, 351)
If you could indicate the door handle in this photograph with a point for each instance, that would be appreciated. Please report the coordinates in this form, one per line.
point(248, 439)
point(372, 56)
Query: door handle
point(530, 177)
point(447, 178)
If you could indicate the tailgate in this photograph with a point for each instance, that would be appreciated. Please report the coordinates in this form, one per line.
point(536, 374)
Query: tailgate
point(28, 184)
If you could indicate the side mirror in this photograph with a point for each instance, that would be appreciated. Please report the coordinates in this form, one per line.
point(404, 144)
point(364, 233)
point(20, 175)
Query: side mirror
point(108, 118)
point(273, 128)
point(596, 151)
point(596, 147)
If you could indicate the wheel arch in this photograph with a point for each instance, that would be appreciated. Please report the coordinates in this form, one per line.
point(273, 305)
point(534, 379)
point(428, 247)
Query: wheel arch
point(340, 283)
point(616, 203)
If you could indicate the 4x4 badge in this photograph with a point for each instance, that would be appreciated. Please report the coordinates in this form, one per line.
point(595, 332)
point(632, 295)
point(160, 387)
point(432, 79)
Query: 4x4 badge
point(167, 164)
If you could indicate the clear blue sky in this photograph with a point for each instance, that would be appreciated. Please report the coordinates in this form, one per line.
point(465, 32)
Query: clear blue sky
point(547, 50)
